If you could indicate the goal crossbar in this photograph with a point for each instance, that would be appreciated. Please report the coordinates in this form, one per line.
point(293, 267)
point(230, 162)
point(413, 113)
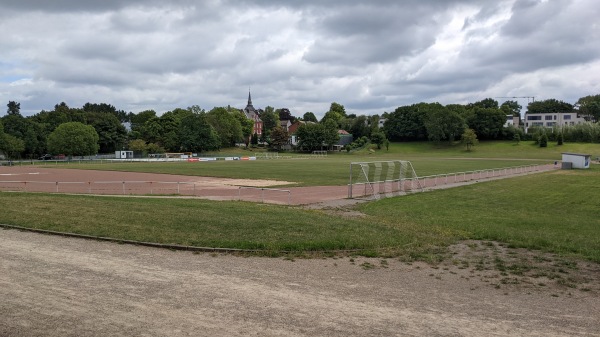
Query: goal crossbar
point(378, 178)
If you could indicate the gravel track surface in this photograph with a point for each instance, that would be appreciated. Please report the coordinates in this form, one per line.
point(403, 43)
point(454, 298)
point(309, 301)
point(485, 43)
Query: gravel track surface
point(56, 286)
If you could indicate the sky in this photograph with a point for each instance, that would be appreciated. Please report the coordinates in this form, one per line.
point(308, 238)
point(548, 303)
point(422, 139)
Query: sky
point(370, 56)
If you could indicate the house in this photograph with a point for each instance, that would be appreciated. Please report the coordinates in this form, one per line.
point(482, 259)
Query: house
point(254, 115)
point(512, 121)
point(550, 120)
point(292, 131)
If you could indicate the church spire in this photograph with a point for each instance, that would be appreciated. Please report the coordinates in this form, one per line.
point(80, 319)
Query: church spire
point(249, 98)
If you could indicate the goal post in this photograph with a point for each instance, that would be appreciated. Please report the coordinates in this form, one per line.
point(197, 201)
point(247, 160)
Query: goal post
point(389, 178)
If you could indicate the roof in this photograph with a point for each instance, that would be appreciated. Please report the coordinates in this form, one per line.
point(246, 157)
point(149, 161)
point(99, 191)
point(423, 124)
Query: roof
point(577, 154)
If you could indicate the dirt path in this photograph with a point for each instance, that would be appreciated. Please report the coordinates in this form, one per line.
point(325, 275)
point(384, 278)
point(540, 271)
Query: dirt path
point(55, 286)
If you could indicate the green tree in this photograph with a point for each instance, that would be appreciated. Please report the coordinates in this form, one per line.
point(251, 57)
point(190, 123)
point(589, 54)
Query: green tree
point(589, 106)
point(138, 121)
point(549, 106)
point(14, 108)
point(406, 123)
point(226, 125)
point(197, 134)
point(270, 120)
point(112, 134)
point(559, 139)
point(359, 127)
point(73, 139)
point(511, 108)
point(443, 124)
point(309, 117)
point(310, 136)
point(279, 138)
point(488, 103)
point(487, 123)
point(378, 138)
point(246, 124)
point(469, 138)
point(330, 133)
point(543, 140)
point(11, 146)
point(137, 145)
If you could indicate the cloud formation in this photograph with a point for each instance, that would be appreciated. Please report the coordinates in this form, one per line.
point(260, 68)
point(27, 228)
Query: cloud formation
point(369, 56)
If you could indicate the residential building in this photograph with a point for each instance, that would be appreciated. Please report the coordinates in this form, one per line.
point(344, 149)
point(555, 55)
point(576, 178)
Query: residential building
point(511, 121)
point(550, 120)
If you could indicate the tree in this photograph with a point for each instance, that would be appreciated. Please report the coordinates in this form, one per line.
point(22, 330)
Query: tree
point(279, 137)
point(559, 139)
point(359, 127)
point(138, 120)
point(73, 139)
point(14, 108)
point(226, 125)
point(11, 146)
point(442, 124)
point(589, 106)
point(469, 138)
point(549, 106)
point(330, 133)
point(246, 124)
point(309, 117)
point(486, 122)
point(379, 139)
point(137, 145)
point(511, 108)
point(488, 103)
point(406, 123)
point(197, 134)
point(112, 134)
point(270, 120)
point(543, 140)
point(310, 136)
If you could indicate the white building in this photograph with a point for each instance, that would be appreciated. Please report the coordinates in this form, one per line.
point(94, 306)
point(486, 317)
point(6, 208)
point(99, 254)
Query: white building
point(511, 121)
point(577, 160)
point(550, 120)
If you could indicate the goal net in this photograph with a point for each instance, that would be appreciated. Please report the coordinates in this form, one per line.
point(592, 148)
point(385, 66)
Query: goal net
point(388, 178)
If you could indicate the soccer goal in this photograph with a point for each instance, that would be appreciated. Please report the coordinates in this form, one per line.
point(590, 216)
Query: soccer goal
point(378, 178)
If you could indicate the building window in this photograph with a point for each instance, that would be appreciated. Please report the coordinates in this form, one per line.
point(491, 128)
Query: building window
point(537, 124)
point(548, 118)
point(550, 124)
point(534, 118)
point(566, 117)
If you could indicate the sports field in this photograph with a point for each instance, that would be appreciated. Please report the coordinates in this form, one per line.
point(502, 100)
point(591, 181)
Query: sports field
point(529, 211)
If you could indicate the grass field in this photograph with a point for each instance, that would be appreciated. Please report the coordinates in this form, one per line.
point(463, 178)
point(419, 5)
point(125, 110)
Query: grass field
point(427, 159)
point(555, 212)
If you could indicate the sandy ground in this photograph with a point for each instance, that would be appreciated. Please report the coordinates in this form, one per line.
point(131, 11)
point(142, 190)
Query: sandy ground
point(56, 286)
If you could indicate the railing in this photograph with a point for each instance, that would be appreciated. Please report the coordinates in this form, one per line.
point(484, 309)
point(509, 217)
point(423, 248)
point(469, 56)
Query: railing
point(393, 187)
point(262, 192)
point(103, 187)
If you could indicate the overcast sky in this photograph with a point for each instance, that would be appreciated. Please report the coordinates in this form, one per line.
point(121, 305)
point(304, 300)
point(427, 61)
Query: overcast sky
point(370, 56)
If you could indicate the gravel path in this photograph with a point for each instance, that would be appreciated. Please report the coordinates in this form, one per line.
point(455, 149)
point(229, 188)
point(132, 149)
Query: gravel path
point(56, 286)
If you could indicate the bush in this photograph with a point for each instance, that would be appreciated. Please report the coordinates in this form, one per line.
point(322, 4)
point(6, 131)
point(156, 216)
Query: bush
point(543, 140)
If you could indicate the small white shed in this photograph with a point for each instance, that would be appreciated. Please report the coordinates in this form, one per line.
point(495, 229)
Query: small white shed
point(124, 154)
point(577, 160)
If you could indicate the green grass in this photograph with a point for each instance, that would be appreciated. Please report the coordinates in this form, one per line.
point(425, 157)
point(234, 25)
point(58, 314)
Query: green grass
point(556, 212)
point(195, 222)
point(426, 158)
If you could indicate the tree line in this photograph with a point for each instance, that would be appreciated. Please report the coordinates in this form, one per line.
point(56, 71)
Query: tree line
point(196, 130)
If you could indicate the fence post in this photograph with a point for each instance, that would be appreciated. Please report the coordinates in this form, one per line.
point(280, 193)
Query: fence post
point(178, 187)
point(123, 188)
point(57, 187)
point(262, 195)
point(89, 187)
point(25, 187)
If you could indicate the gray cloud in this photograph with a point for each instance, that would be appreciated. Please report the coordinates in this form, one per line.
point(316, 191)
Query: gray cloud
point(369, 56)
